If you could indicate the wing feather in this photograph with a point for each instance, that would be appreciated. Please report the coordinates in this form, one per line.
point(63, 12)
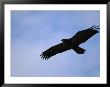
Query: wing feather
point(84, 35)
point(59, 48)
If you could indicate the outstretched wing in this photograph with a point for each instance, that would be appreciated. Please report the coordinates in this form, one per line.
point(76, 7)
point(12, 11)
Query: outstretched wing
point(54, 50)
point(84, 35)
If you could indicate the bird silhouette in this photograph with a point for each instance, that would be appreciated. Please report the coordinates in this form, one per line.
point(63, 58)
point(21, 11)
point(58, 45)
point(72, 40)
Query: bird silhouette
point(71, 43)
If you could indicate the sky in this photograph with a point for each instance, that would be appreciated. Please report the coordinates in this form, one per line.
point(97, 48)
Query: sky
point(32, 32)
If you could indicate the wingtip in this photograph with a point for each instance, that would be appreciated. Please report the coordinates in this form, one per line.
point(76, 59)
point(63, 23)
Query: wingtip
point(95, 27)
point(44, 57)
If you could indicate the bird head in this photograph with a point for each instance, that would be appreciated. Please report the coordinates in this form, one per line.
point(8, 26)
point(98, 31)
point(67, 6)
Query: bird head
point(63, 40)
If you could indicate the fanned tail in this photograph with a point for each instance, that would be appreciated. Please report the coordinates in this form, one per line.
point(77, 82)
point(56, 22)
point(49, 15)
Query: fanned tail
point(79, 50)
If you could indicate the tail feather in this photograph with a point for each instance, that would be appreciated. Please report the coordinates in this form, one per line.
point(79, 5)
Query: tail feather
point(79, 50)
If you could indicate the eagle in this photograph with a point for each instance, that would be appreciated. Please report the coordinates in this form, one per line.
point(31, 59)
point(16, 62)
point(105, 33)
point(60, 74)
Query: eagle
point(71, 43)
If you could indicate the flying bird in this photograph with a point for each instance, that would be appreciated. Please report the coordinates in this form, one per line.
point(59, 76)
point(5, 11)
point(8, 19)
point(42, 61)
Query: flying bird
point(71, 43)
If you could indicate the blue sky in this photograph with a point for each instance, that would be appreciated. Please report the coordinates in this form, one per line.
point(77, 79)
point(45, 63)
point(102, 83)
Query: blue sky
point(32, 32)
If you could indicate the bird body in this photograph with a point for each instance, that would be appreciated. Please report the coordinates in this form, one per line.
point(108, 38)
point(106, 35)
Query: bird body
point(71, 43)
